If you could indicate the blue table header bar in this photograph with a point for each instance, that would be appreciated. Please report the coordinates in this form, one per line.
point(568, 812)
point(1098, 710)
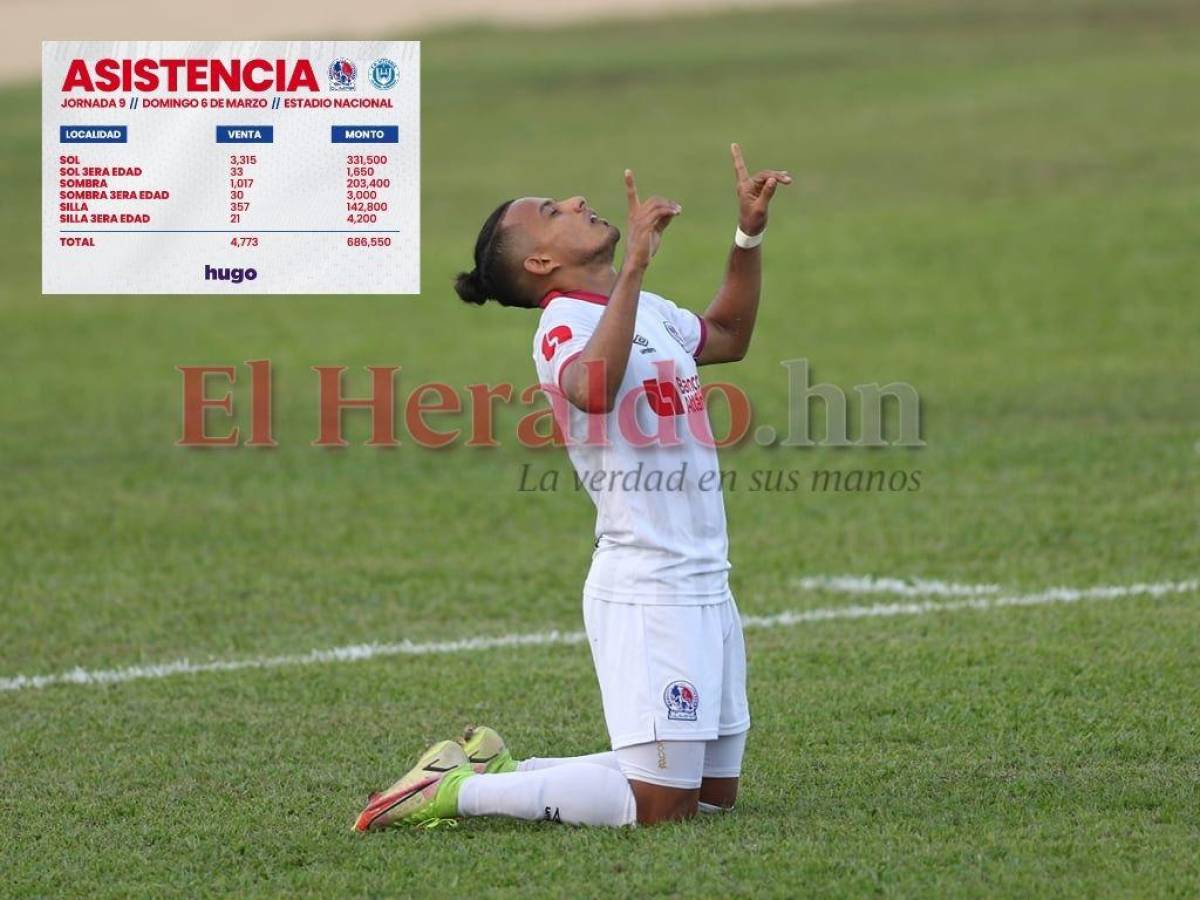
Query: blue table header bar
point(93, 134)
point(245, 134)
point(366, 134)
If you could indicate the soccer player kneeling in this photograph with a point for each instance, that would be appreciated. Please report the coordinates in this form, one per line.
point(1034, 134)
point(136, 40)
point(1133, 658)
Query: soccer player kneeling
point(664, 630)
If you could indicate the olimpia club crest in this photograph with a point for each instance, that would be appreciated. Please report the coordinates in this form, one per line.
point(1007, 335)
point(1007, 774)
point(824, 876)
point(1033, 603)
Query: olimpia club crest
point(383, 74)
point(682, 700)
point(342, 75)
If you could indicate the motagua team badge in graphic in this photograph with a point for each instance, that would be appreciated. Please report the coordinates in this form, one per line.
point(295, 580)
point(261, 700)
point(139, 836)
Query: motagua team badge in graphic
point(383, 74)
point(342, 75)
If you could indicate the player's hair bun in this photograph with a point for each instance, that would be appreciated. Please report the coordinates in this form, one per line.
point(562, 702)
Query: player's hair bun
point(469, 287)
point(492, 278)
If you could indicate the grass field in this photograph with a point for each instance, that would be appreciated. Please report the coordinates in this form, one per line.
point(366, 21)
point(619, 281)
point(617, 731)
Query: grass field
point(997, 202)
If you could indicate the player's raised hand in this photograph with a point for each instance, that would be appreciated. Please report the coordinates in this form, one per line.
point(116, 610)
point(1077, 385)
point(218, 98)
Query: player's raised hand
point(754, 192)
point(647, 221)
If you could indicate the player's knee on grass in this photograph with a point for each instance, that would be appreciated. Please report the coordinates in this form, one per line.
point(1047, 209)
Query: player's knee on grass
point(718, 794)
point(722, 772)
point(656, 803)
point(665, 778)
point(671, 779)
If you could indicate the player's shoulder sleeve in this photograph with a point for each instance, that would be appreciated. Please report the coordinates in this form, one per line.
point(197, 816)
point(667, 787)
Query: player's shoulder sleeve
point(689, 328)
point(561, 335)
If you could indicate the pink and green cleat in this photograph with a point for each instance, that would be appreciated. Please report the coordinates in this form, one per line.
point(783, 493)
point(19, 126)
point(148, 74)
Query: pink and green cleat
point(486, 751)
point(427, 794)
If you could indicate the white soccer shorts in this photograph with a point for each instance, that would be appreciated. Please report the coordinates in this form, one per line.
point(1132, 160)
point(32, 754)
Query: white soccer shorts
point(668, 672)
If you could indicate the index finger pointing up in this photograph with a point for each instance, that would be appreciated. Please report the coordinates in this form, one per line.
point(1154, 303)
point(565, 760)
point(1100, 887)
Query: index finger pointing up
point(739, 164)
point(631, 191)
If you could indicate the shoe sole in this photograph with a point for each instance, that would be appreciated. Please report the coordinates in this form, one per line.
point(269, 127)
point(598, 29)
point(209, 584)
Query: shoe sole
point(385, 803)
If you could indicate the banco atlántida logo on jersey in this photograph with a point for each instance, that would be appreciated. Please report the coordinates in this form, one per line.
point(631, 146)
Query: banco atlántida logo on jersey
point(674, 398)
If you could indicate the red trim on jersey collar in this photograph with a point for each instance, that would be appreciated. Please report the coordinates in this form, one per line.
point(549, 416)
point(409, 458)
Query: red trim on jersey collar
point(574, 295)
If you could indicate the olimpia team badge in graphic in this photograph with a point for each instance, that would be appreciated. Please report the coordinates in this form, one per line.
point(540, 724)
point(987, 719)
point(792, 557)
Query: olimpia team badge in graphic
point(383, 74)
point(342, 75)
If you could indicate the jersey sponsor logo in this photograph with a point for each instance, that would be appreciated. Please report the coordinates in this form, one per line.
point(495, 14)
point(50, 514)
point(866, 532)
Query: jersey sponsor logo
point(342, 75)
point(664, 398)
point(682, 700)
point(554, 338)
point(642, 342)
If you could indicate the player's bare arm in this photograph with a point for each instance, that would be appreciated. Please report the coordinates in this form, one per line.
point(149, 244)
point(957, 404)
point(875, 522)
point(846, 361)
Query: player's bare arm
point(592, 379)
point(730, 317)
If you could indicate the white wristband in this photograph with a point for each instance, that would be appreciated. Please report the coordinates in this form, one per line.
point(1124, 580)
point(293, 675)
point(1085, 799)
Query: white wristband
point(748, 241)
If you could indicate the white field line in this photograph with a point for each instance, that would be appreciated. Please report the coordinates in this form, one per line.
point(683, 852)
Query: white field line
point(923, 607)
point(974, 597)
point(907, 587)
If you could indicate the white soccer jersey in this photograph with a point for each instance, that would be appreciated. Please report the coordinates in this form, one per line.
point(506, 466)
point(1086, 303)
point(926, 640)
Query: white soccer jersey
point(660, 523)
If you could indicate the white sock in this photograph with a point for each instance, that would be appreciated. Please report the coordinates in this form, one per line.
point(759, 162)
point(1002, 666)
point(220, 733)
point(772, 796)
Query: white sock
point(713, 808)
point(576, 793)
point(608, 758)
